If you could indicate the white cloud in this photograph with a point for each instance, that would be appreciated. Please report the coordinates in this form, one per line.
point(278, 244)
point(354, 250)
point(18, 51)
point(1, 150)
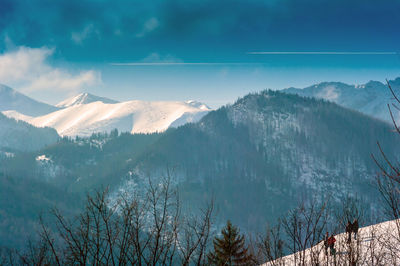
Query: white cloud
point(28, 70)
point(149, 26)
point(64, 81)
point(86, 32)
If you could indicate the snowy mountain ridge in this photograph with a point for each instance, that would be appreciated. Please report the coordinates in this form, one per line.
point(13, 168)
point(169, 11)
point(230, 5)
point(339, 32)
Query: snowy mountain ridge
point(197, 104)
point(370, 98)
point(83, 98)
point(132, 116)
point(86, 113)
point(11, 99)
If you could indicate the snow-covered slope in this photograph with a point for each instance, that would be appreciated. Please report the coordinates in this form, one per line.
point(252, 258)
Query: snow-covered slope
point(83, 98)
point(131, 116)
point(370, 98)
point(377, 244)
point(10, 99)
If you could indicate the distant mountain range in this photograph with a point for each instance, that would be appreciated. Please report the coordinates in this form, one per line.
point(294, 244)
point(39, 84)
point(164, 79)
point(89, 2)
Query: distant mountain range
point(257, 158)
point(10, 99)
point(370, 98)
point(85, 114)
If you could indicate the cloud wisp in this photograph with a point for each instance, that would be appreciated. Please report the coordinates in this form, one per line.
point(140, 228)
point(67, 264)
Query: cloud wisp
point(322, 53)
point(149, 26)
point(28, 70)
point(78, 37)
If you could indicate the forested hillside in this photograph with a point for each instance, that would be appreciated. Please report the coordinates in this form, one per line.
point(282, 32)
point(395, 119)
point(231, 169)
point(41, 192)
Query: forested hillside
point(257, 158)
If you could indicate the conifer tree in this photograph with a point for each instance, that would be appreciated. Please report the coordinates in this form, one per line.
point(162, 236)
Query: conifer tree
point(229, 249)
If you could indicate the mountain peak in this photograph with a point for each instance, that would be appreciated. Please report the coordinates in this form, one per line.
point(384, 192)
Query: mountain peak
point(200, 105)
point(11, 99)
point(83, 98)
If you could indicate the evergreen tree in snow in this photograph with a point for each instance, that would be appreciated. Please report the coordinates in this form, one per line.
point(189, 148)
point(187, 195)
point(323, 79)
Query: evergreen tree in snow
point(229, 249)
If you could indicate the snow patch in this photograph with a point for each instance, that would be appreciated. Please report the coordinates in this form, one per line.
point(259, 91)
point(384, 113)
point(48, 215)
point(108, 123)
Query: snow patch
point(43, 158)
point(328, 93)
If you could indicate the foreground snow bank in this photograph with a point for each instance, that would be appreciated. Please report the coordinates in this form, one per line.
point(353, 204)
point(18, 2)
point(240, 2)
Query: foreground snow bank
point(377, 244)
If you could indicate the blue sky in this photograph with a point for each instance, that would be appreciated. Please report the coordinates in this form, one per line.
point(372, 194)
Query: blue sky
point(189, 49)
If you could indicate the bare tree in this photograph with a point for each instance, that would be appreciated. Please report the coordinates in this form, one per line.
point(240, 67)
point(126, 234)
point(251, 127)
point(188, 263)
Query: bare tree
point(140, 229)
point(194, 237)
point(351, 209)
point(389, 178)
point(305, 227)
point(271, 245)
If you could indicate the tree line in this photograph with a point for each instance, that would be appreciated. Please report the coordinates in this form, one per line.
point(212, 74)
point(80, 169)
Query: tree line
point(150, 229)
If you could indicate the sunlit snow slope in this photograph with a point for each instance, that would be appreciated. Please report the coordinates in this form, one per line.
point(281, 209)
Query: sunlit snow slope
point(131, 116)
point(377, 244)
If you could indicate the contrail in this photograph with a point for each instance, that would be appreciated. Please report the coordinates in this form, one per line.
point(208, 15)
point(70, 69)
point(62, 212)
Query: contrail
point(171, 64)
point(324, 53)
point(246, 63)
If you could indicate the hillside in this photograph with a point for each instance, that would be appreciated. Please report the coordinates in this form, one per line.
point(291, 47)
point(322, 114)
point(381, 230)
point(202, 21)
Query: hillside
point(10, 99)
point(257, 158)
point(264, 153)
point(21, 136)
point(375, 245)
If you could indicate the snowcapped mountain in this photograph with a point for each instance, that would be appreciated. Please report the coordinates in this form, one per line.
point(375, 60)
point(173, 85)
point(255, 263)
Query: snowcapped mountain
point(86, 113)
point(199, 105)
point(83, 98)
point(10, 99)
point(370, 98)
point(132, 116)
